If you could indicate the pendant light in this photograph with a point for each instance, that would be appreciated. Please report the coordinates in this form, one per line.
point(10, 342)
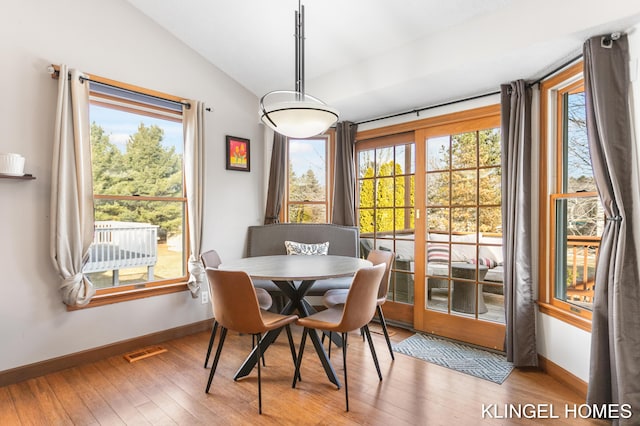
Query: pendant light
point(294, 113)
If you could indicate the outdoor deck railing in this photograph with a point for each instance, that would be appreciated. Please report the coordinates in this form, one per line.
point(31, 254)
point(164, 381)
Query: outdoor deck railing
point(120, 245)
point(582, 252)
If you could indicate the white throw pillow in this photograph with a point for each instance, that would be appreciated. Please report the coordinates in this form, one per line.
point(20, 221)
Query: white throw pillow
point(463, 252)
point(294, 248)
point(492, 252)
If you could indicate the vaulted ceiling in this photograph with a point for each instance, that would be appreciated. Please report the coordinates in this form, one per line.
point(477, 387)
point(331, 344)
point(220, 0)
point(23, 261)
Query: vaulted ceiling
point(370, 58)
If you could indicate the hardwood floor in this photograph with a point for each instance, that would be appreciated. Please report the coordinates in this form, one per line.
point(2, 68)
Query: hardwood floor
point(169, 389)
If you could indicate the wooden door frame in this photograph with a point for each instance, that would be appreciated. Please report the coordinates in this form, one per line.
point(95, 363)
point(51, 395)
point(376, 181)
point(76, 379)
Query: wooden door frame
point(479, 332)
point(472, 330)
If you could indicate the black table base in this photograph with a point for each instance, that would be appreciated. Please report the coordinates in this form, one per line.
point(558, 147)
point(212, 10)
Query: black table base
point(296, 302)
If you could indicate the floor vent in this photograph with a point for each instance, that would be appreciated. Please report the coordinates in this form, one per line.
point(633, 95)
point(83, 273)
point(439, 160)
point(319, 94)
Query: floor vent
point(144, 353)
point(377, 329)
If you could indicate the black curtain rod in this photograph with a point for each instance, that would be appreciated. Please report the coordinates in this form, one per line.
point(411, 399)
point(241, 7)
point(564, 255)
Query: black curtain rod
point(555, 70)
point(417, 111)
point(56, 73)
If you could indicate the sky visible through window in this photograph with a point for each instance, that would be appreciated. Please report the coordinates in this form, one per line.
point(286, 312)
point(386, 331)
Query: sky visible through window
point(579, 160)
point(308, 154)
point(119, 125)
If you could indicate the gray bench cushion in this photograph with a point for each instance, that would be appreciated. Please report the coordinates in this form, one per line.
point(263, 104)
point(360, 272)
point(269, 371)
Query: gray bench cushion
point(268, 240)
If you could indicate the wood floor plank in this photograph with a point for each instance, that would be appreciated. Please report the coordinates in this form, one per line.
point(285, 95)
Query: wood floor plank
point(127, 386)
point(155, 415)
point(159, 391)
point(78, 412)
point(33, 407)
point(8, 412)
point(169, 389)
point(48, 401)
point(100, 408)
point(191, 385)
point(111, 394)
point(26, 405)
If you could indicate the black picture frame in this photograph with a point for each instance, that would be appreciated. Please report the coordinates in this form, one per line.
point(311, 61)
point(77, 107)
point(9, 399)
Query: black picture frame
point(238, 154)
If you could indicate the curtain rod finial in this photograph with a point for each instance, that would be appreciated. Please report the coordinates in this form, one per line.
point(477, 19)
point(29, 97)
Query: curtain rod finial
point(55, 73)
point(607, 41)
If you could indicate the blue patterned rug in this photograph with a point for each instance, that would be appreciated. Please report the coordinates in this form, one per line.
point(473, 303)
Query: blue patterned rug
point(457, 356)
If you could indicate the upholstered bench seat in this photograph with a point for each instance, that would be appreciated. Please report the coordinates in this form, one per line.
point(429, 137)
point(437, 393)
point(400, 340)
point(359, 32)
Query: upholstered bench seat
point(268, 240)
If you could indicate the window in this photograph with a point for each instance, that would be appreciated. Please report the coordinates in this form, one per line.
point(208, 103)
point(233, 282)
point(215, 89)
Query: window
point(308, 180)
point(385, 174)
point(576, 218)
point(139, 196)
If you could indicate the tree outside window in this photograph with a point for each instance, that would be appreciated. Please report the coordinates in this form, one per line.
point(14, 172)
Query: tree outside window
point(577, 213)
point(137, 161)
point(307, 181)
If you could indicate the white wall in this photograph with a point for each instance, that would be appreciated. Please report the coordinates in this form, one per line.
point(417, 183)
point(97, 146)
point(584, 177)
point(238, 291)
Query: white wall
point(109, 39)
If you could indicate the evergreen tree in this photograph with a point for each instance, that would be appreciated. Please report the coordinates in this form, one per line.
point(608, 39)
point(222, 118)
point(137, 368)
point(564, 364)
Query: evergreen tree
point(146, 169)
point(305, 188)
point(107, 164)
point(366, 204)
point(152, 170)
point(390, 194)
point(460, 188)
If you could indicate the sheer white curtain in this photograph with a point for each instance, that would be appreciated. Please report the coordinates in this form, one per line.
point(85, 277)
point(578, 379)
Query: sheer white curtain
point(193, 119)
point(72, 220)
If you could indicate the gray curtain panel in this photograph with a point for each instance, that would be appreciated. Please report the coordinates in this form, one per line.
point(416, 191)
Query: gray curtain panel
point(615, 336)
point(517, 234)
point(277, 175)
point(344, 184)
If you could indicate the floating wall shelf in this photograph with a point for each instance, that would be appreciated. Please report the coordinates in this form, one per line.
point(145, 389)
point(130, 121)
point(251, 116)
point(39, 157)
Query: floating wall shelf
point(21, 177)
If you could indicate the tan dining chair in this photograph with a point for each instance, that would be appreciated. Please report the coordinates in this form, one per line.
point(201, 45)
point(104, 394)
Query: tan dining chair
point(356, 313)
point(236, 307)
point(211, 259)
point(336, 297)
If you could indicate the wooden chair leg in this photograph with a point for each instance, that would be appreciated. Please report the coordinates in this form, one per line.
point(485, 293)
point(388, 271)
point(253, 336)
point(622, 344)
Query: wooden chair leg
point(373, 350)
point(211, 339)
point(383, 323)
point(223, 335)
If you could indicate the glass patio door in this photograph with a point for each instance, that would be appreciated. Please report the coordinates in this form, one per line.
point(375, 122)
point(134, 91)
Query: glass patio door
point(459, 292)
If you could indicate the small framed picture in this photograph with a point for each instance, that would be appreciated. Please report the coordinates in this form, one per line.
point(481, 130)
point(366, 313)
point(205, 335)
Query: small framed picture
point(238, 157)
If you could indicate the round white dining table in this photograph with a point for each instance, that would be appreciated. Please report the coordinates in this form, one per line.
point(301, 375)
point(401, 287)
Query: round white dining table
point(296, 268)
point(294, 276)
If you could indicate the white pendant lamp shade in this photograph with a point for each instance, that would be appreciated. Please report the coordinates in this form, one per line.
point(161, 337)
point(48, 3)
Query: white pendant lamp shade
point(295, 114)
